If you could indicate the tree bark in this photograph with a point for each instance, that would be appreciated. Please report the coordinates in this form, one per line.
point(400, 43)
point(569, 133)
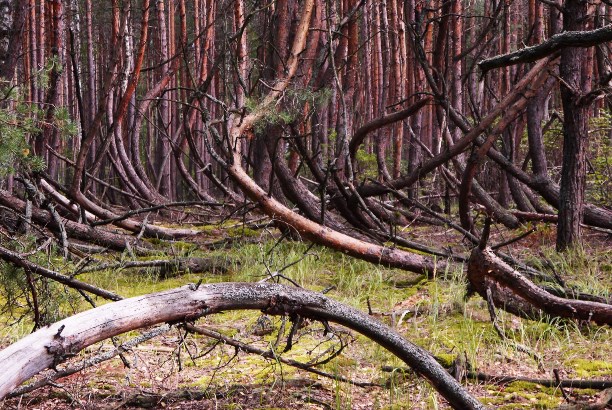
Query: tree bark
point(55, 343)
point(573, 36)
point(11, 29)
point(574, 85)
point(516, 294)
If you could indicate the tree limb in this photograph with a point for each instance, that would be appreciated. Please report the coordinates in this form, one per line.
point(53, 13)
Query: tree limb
point(53, 344)
point(548, 47)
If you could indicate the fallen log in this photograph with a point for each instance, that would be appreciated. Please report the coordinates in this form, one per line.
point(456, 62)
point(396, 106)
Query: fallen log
point(167, 267)
point(516, 294)
point(55, 343)
point(73, 229)
point(599, 384)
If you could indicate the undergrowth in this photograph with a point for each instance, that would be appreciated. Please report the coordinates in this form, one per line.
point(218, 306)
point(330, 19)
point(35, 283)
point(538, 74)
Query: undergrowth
point(431, 313)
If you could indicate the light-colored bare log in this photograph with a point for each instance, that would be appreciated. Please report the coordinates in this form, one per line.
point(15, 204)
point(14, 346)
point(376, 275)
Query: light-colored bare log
point(53, 344)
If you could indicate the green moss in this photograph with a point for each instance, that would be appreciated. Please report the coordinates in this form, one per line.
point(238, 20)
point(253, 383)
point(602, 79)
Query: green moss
point(154, 241)
point(522, 386)
point(446, 360)
point(529, 395)
point(240, 232)
point(184, 246)
point(412, 283)
point(588, 368)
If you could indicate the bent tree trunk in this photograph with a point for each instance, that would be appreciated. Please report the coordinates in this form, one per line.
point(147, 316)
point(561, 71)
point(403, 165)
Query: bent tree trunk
point(311, 230)
point(514, 293)
point(53, 344)
point(323, 235)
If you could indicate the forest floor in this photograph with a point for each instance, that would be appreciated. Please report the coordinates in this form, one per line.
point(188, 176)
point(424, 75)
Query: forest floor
point(186, 371)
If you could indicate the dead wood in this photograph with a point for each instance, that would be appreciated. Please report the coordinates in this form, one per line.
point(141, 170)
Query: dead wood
point(89, 362)
point(167, 266)
point(326, 236)
point(534, 216)
point(270, 354)
point(516, 294)
point(18, 260)
point(500, 379)
point(155, 208)
point(605, 399)
point(55, 343)
point(548, 47)
point(134, 226)
point(593, 215)
point(73, 229)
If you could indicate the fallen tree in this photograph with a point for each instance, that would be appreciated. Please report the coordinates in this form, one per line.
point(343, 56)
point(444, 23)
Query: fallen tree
point(495, 280)
point(54, 344)
point(115, 241)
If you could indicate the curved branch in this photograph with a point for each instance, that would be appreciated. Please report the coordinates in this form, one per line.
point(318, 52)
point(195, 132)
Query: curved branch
point(550, 46)
point(516, 294)
point(531, 82)
point(380, 122)
point(53, 344)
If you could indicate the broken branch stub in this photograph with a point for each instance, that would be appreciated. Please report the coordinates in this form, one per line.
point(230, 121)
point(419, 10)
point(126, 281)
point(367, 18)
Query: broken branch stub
point(53, 344)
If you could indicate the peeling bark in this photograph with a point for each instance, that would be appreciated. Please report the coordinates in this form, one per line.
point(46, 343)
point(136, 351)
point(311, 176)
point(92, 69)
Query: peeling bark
point(61, 340)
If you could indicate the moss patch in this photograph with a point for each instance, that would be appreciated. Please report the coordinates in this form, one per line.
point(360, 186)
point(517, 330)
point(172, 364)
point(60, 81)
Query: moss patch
point(585, 368)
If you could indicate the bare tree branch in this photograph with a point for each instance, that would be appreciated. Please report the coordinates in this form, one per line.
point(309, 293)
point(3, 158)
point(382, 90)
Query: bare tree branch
point(550, 46)
point(55, 343)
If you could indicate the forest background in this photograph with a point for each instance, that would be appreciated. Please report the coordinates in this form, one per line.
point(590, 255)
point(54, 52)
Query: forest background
point(459, 148)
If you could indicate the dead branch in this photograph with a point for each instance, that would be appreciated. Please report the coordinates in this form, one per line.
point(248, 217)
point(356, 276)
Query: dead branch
point(605, 398)
point(89, 362)
point(496, 379)
point(54, 344)
point(269, 354)
point(502, 334)
point(194, 265)
point(18, 260)
point(154, 208)
point(548, 47)
point(516, 294)
point(73, 229)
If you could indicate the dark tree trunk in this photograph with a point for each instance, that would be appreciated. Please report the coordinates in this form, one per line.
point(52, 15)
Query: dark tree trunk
point(11, 29)
point(575, 130)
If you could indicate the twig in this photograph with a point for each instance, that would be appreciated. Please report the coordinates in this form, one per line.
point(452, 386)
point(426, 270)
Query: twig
point(515, 239)
point(92, 361)
point(558, 380)
point(268, 355)
point(153, 208)
point(605, 398)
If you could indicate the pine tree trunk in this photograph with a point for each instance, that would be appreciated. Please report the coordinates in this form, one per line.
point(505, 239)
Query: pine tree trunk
point(575, 130)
